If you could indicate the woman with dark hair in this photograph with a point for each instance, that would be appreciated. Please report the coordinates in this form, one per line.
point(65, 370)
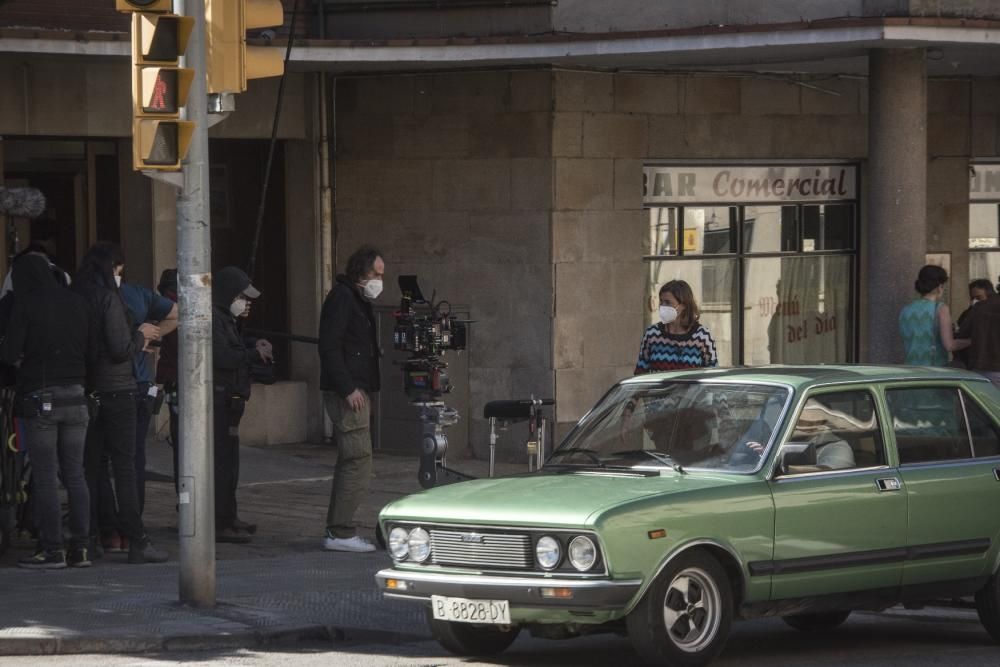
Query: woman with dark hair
point(925, 323)
point(678, 341)
point(111, 384)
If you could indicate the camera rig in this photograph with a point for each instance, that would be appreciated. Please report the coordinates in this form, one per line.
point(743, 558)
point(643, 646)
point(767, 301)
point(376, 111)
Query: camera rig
point(427, 330)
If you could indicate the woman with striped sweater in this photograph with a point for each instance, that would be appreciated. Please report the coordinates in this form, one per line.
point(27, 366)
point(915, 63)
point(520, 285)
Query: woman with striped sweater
point(678, 341)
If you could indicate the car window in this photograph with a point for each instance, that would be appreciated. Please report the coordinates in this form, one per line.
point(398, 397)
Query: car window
point(982, 428)
point(707, 425)
point(929, 424)
point(842, 431)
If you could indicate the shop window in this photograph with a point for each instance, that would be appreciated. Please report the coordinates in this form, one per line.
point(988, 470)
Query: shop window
point(797, 309)
point(775, 276)
point(929, 424)
point(984, 242)
point(771, 228)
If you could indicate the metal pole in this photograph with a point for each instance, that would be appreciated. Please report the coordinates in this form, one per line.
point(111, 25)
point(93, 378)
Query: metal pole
point(196, 487)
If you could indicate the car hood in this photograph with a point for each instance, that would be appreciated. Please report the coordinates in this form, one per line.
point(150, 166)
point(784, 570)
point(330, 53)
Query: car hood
point(563, 499)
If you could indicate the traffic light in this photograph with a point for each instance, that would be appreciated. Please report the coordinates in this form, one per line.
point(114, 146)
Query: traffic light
point(160, 139)
point(230, 62)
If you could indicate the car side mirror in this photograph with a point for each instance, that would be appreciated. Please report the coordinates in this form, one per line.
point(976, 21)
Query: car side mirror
point(797, 454)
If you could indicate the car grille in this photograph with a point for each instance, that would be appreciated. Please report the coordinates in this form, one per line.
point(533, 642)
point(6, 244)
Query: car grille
point(474, 549)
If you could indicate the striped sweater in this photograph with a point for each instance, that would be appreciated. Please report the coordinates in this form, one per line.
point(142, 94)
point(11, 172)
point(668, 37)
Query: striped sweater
point(664, 351)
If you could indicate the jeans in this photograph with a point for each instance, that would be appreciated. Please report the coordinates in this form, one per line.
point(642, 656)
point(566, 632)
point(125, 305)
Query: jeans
point(228, 413)
point(352, 476)
point(107, 504)
point(112, 432)
point(55, 443)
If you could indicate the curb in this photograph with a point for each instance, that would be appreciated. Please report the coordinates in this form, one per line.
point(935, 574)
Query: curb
point(251, 638)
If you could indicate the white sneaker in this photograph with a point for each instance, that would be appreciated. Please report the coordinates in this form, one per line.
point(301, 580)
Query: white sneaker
point(356, 544)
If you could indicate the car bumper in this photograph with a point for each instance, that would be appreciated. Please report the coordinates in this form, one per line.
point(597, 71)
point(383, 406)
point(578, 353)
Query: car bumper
point(586, 594)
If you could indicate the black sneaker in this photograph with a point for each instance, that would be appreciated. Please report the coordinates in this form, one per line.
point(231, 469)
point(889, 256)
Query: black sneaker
point(231, 536)
point(77, 557)
point(144, 552)
point(44, 560)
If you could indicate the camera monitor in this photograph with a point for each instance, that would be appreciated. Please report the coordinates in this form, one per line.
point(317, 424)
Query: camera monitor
point(409, 288)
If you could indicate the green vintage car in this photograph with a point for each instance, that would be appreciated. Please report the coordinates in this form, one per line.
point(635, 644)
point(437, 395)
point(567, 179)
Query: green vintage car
point(683, 501)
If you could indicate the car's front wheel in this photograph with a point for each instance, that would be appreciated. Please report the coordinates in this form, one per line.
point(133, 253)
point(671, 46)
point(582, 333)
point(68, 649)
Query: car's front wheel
point(466, 639)
point(988, 606)
point(685, 616)
point(822, 621)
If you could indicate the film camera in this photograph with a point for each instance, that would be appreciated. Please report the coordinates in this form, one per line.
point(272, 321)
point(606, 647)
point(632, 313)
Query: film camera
point(427, 330)
point(426, 334)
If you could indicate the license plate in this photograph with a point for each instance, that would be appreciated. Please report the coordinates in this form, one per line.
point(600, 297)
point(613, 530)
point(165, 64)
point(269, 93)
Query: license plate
point(461, 610)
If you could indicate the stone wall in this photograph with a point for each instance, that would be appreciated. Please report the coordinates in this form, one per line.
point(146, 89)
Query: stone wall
point(451, 177)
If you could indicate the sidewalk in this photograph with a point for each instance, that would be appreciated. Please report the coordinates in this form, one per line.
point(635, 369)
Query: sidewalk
point(281, 587)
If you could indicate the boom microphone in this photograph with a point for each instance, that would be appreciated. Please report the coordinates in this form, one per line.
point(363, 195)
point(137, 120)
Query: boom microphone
point(22, 202)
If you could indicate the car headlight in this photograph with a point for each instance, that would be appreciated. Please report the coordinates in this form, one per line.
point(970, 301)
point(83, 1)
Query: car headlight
point(548, 552)
point(582, 553)
point(399, 543)
point(418, 545)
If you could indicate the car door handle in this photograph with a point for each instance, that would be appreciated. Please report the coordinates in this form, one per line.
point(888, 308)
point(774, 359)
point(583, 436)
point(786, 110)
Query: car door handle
point(888, 484)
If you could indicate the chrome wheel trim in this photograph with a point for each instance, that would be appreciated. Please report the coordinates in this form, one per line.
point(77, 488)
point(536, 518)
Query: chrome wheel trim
point(692, 610)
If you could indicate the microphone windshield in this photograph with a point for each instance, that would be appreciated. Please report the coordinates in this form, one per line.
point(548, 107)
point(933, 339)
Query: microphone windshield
point(22, 202)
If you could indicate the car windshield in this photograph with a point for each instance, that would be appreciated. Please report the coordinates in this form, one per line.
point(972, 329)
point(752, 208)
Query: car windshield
point(702, 425)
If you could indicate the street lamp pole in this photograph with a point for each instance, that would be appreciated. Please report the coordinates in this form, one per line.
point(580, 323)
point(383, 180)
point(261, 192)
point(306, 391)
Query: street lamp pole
point(196, 486)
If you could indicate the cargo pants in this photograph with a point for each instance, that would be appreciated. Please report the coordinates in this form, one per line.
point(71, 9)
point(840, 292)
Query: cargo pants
point(352, 476)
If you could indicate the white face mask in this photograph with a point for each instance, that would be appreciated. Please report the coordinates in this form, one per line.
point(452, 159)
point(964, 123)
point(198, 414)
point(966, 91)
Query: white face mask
point(373, 288)
point(118, 281)
point(668, 314)
point(239, 307)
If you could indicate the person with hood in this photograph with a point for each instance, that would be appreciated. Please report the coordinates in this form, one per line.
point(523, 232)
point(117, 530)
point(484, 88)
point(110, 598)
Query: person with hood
point(112, 387)
point(48, 337)
point(349, 375)
point(232, 356)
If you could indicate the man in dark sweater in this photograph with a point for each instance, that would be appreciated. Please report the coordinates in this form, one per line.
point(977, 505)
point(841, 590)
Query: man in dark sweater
point(983, 327)
point(49, 334)
point(349, 374)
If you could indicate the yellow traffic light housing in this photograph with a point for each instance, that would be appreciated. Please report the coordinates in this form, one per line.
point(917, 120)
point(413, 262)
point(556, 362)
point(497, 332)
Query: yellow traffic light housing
point(160, 139)
point(230, 62)
point(144, 5)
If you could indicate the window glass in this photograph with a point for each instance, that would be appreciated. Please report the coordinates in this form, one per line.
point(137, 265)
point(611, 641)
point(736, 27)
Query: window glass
point(709, 231)
point(664, 228)
point(713, 282)
point(984, 265)
point(797, 310)
point(842, 431)
point(985, 435)
point(929, 424)
point(770, 229)
point(984, 226)
point(827, 227)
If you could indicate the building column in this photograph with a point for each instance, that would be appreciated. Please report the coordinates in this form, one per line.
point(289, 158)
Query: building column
point(896, 237)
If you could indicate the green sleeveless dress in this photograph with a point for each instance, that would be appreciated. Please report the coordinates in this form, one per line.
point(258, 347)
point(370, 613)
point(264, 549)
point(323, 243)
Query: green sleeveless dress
point(921, 337)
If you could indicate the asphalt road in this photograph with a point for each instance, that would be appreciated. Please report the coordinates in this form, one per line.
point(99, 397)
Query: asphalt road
point(867, 639)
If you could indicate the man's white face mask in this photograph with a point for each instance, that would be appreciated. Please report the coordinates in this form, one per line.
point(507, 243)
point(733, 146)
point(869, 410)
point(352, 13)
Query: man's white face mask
point(372, 288)
point(118, 281)
point(239, 306)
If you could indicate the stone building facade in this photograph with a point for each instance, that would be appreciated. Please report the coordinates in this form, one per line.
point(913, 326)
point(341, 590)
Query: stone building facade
point(500, 154)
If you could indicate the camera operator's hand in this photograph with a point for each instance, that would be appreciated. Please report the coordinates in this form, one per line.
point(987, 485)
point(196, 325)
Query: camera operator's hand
point(150, 332)
point(356, 399)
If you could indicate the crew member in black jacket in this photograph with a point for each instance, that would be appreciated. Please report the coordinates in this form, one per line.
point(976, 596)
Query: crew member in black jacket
point(232, 355)
point(48, 336)
point(112, 386)
point(349, 375)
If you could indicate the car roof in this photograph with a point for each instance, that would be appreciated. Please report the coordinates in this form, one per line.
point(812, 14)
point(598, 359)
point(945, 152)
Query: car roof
point(803, 377)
